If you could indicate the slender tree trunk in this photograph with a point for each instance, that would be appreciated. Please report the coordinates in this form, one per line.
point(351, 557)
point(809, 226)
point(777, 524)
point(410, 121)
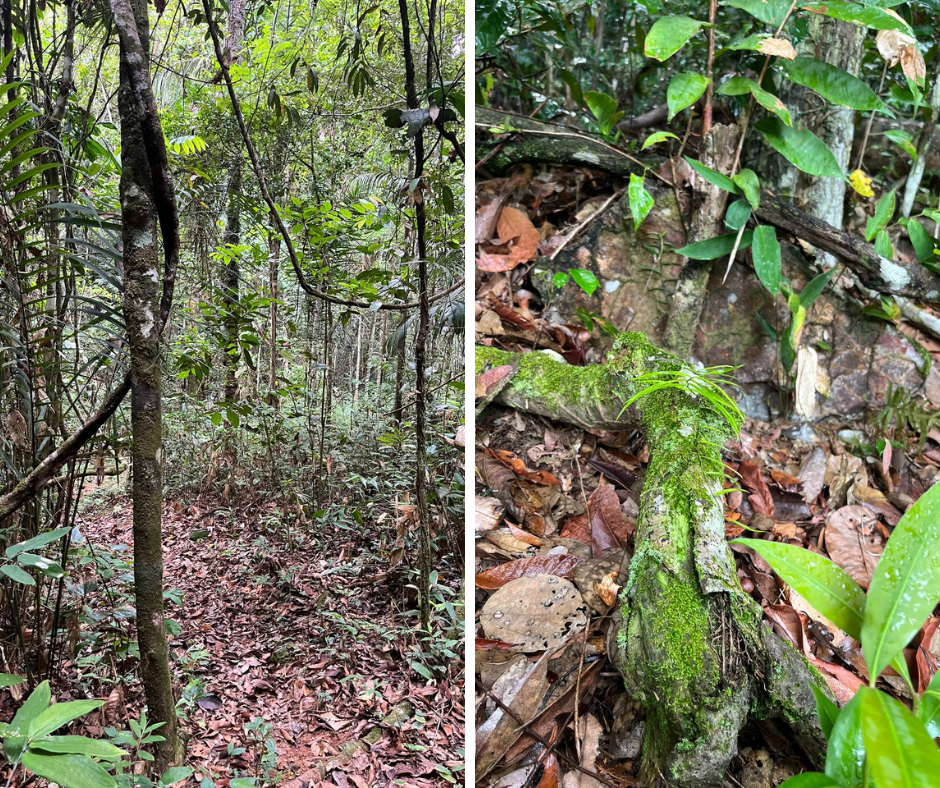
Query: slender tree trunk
point(142, 314)
point(229, 279)
point(274, 250)
point(398, 409)
point(421, 335)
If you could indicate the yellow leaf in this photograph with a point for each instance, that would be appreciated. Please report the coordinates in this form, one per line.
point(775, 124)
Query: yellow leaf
point(861, 183)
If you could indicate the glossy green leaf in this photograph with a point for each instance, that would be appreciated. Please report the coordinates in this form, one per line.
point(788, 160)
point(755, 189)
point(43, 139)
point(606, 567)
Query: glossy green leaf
point(771, 12)
point(10, 680)
point(584, 279)
point(930, 707)
point(58, 714)
point(815, 287)
point(863, 15)
point(921, 241)
point(765, 250)
point(825, 586)
point(175, 774)
point(906, 584)
point(883, 245)
point(833, 84)
point(640, 201)
point(884, 210)
point(845, 755)
point(713, 176)
point(803, 149)
point(669, 34)
point(826, 710)
point(79, 745)
point(903, 139)
point(37, 541)
point(900, 752)
point(604, 109)
point(18, 574)
point(657, 137)
point(714, 248)
point(684, 90)
point(46, 566)
point(747, 181)
point(69, 771)
point(749, 43)
point(737, 214)
point(33, 706)
point(739, 86)
point(809, 780)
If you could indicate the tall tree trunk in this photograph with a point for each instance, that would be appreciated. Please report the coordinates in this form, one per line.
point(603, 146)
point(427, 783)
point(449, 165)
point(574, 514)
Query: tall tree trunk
point(229, 278)
point(140, 204)
point(274, 251)
point(421, 335)
point(398, 409)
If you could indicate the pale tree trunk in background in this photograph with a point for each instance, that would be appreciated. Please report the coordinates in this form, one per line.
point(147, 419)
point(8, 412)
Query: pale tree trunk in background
point(840, 44)
point(357, 371)
point(229, 279)
point(917, 171)
point(274, 251)
point(397, 408)
point(142, 314)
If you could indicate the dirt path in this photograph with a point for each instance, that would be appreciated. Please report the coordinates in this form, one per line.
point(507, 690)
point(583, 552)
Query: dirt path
point(304, 642)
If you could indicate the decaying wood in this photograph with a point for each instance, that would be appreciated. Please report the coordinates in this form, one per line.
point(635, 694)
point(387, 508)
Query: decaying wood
point(690, 647)
point(540, 142)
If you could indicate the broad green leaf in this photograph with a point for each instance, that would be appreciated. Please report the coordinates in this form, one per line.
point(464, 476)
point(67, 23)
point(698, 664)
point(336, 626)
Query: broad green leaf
point(747, 181)
point(737, 214)
point(17, 574)
point(584, 279)
point(900, 752)
point(815, 286)
point(79, 745)
point(751, 43)
point(33, 706)
point(69, 771)
point(771, 12)
point(825, 586)
point(906, 585)
point(713, 176)
point(884, 210)
point(669, 34)
point(492, 20)
point(864, 15)
point(713, 248)
point(58, 714)
point(561, 278)
point(809, 780)
point(175, 774)
point(903, 139)
point(37, 541)
point(826, 710)
point(659, 136)
point(573, 85)
point(46, 566)
point(765, 249)
point(10, 680)
point(833, 84)
point(684, 90)
point(883, 245)
point(845, 755)
point(640, 201)
point(930, 707)
point(604, 109)
point(803, 149)
point(920, 239)
point(738, 86)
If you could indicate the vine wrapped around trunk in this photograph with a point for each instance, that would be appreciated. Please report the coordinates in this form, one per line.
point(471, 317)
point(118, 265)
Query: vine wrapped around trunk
point(691, 646)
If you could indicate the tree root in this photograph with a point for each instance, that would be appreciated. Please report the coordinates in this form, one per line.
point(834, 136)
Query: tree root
point(691, 646)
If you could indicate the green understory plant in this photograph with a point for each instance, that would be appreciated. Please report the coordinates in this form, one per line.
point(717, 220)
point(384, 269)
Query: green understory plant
point(875, 740)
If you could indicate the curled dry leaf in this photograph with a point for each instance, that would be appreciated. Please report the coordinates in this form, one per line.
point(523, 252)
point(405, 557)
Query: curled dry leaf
point(854, 542)
point(537, 613)
point(552, 564)
point(753, 481)
point(16, 429)
point(890, 43)
point(779, 47)
point(517, 231)
point(487, 514)
point(609, 528)
point(589, 577)
point(608, 589)
point(912, 64)
point(813, 474)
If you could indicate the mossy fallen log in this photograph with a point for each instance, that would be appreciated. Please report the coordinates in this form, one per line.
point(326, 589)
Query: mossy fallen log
point(691, 646)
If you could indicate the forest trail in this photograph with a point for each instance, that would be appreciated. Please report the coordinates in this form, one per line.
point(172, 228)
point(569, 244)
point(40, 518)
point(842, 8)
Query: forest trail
point(305, 638)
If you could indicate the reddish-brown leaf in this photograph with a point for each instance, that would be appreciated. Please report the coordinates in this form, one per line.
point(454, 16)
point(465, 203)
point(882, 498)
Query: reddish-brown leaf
point(753, 481)
point(609, 528)
point(498, 576)
point(577, 527)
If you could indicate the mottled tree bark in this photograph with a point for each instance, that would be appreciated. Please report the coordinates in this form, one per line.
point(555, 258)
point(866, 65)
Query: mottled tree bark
point(142, 307)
